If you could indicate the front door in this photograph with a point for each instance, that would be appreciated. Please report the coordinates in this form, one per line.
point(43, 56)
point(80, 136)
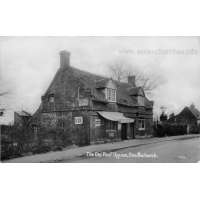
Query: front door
point(124, 132)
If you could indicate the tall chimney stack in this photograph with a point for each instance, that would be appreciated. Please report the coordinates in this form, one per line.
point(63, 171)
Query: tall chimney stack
point(64, 58)
point(131, 80)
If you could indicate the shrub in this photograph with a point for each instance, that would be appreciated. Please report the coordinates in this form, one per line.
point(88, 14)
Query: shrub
point(160, 131)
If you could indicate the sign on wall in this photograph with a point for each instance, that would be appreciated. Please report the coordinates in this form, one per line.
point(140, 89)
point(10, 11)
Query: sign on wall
point(78, 120)
point(98, 121)
point(83, 102)
point(111, 133)
point(119, 126)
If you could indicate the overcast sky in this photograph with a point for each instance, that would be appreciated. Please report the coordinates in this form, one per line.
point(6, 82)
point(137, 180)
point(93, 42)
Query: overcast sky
point(30, 63)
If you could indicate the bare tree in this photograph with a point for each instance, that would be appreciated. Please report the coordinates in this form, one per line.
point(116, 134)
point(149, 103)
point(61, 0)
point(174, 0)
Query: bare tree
point(6, 94)
point(118, 70)
point(148, 80)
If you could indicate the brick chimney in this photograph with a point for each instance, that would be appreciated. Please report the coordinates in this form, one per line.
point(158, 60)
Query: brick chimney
point(131, 80)
point(64, 58)
point(192, 106)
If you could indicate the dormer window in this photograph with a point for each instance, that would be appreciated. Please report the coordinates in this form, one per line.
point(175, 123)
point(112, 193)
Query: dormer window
point(141, 100)
point(111, 95)
point(51, 98)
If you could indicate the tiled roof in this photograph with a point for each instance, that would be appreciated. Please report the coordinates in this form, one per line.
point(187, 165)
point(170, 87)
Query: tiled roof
point(101, 83)
point(147, 103)
point(94, 82)
point(134, 90)
point(195, 112)
point(87, 77)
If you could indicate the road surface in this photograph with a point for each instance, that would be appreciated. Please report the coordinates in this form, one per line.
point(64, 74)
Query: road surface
point(177, 151)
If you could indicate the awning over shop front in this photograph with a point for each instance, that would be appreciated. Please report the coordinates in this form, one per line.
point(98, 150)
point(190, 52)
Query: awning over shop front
point(116, 116)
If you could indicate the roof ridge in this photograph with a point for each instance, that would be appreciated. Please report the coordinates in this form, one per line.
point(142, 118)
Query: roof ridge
point(76, 75)
point(104, 77)
point(90, 72)
point(192, 110)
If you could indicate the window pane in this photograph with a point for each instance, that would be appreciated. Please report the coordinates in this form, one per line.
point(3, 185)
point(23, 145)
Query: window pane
point(141, 101)
point(113, 126)
point(142, 124)
point(111, 94)
point(51, 98)
point(108, 124)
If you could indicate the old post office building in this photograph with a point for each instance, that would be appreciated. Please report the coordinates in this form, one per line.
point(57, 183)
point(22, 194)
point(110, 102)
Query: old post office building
point(95, 108)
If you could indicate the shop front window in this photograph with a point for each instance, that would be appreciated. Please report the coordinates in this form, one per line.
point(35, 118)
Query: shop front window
point(141, 124)
point(111, 125)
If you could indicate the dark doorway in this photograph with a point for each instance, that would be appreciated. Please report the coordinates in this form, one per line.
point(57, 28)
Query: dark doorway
point(132, 124)
point(124, 132)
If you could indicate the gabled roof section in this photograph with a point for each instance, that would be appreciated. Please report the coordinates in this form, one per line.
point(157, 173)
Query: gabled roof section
point(52, 82)
point(73, 72)
point(136, 91)
point(194, 111)
point(35, 114)
point(147, 103)
point(95, 83)
point(102, 83)
point(87, 78)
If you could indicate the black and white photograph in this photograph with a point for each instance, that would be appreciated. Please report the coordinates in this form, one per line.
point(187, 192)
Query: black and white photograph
point(99, 100)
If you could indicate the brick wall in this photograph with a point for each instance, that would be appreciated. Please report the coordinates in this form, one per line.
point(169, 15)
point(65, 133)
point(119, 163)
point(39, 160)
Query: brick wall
point(65, 90)
point(59, 115)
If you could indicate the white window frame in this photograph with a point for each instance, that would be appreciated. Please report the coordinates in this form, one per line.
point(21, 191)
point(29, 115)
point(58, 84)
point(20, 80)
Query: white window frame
point(112, 95)
point(141, 100)
point(142, 128)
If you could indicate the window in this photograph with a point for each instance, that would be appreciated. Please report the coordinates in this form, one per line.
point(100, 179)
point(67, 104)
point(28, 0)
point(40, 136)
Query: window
point(35, 129)
point(51, 98)
point(141, 124)
point(111, 125)
point(111, 95)
point(141, 100)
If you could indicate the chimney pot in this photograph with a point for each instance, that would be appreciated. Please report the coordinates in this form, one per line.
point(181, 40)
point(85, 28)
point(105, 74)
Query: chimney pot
point(64, 58)
point(131, 80)
point(192, 106)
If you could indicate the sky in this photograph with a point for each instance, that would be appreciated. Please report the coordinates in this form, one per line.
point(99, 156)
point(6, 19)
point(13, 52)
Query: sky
point(28, 65)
